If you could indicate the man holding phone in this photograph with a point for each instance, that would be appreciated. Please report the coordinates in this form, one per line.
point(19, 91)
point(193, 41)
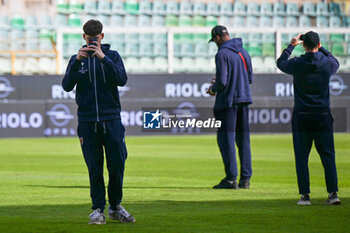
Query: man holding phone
point(234, 74)
point(312, 120)
point(97, 71)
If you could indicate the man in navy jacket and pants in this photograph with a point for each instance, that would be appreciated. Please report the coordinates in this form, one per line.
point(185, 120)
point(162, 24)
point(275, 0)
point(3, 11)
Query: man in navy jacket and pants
point(231, 86)
point(312, 120)
point(97, 71)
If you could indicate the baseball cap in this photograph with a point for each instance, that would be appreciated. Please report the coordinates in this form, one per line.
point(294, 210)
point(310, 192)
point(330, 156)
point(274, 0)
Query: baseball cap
point(311, 39)
point(218, 30)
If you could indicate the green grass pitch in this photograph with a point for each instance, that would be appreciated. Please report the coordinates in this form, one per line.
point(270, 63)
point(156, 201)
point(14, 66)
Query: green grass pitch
point(44, 187)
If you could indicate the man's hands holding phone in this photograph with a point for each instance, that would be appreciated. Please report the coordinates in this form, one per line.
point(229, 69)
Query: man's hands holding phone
point(93, 49)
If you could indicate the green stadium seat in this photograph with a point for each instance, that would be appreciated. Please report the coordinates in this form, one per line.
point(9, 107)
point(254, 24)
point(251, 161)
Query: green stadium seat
point(323, 37)
point(118, 7)
point(185, 21)
point(117, 38)
point(199, 21)
point(145, 7)
point(304, 21)
point(199, 8)
point(17, 22)
point(213, 9)
point(201, 49)
point(104, 7)
point(266, 9)
point(322, 9)
point(326, 46)
point(239, 9)
point(75, 7)
point(279, 9)
point(292, 9)
point(145, 49)
point(172, 8)
point(268, 38)
point(211, 21)
point(254, 50)
point(268, 49)
point(338, 49)
point(160, 50)
point(132, 7)
point(226, 9)
point(253, 9)
point(130, 21)
point(309, 9)
point(74, 21)
point(186, 8)
point(61, 6)
point(334, 8)
point(158, 8)
point(171, 21)
point(321, 22)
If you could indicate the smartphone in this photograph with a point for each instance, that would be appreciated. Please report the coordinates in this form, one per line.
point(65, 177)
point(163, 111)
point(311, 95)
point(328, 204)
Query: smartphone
point(91, 42)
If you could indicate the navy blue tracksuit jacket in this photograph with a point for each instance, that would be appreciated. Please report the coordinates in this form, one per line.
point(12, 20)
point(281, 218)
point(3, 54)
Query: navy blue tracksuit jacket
point(99, 120)
point(233, 96)
point(312, 119)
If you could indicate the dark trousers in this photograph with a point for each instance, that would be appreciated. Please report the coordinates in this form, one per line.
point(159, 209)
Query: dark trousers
point(318, 128)
point(235, 130)
point(94, 138)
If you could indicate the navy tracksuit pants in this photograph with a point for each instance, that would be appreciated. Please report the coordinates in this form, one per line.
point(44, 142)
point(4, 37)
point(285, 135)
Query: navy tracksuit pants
point(95, 138)
point(308, 128)
point(235, 130)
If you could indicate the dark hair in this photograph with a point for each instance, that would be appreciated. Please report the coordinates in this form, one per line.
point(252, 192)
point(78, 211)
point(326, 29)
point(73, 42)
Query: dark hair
point(92, 27)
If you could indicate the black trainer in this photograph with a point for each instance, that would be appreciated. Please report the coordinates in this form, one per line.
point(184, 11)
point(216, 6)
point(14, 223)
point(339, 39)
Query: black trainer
point(332, 199)
point(244, 184)
point(226, 184)
point(304, 200)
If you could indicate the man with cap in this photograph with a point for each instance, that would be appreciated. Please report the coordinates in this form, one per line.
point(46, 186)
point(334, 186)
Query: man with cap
point(312, 120)
point(234, 74)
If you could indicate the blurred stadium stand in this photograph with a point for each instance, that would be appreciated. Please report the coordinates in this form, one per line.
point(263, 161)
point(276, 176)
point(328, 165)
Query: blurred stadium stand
point(28, 40)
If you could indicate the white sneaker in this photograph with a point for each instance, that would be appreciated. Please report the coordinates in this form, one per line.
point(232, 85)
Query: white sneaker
point(96, 217)
point(304, 200)
point(333, 199)
point(120, 214)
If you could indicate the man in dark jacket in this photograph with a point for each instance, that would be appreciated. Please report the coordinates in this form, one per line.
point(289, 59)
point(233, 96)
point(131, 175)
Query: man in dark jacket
point(312, 119)
point(231, 86)
point(96, 71)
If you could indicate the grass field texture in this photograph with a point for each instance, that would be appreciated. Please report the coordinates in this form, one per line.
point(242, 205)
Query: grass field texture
point(44, 187)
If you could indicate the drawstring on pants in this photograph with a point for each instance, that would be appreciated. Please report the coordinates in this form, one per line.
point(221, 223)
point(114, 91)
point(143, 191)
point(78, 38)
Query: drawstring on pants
point(103, 125)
